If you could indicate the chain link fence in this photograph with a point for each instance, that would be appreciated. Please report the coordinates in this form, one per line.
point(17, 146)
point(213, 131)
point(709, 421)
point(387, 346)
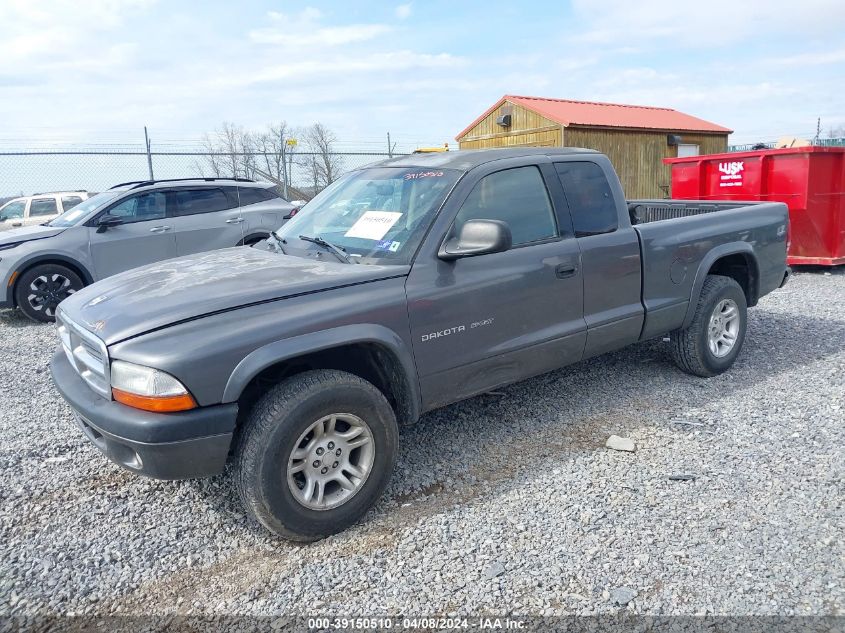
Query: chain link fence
point(819, 142)
point(25, 173)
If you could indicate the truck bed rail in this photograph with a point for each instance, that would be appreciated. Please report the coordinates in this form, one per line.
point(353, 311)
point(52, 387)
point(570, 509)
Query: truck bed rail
point(644, 211)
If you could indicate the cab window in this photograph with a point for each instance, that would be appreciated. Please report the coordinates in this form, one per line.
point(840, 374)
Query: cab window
point(43, 206)
point(517, 197)
point(589, 197)
point(68, 202)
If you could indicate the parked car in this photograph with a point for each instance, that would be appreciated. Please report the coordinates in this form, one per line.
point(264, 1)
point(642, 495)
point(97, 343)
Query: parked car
point(403, 287)
point(130, 225)
point(37, 209)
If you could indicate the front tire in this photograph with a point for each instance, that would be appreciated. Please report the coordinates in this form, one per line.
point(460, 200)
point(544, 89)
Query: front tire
point(41, 288)
point(711, 343)
point(315, 454)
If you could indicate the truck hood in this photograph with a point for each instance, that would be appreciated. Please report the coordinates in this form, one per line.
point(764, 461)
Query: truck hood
point(27, 233)
point(176, 290)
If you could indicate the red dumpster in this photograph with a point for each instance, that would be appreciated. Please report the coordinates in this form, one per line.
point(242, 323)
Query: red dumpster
point(810, 180)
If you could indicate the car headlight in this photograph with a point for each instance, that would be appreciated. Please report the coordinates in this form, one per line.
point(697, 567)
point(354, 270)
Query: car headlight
point(148, 389)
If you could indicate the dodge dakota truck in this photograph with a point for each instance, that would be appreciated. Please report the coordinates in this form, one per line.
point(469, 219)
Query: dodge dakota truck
point(404, 286)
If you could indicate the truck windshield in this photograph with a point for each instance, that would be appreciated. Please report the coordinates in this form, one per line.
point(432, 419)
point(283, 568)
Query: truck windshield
point(73, 216)
point(376, 216)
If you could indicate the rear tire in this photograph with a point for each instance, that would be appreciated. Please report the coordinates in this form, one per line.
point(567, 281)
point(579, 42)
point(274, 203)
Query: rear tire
point(40, 289)
point(711, 343)
point(302, 439)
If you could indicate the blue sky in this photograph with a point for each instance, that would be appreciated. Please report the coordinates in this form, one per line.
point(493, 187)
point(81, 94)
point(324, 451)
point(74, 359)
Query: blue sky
point(98, 70)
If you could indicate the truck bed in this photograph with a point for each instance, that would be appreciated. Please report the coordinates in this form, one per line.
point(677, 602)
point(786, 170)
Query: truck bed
point(645, 211)
point(678, 237)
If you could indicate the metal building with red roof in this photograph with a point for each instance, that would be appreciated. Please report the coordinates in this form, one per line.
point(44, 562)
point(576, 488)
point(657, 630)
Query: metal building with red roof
point(636, 138)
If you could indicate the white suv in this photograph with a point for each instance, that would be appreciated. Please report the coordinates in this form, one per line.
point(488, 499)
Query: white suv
point(42, 207)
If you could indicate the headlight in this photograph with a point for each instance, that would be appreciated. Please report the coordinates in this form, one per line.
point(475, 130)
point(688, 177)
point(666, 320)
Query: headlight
point(148, 389)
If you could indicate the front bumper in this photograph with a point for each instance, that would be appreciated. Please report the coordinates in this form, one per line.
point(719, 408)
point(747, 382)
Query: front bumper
point(185, 445)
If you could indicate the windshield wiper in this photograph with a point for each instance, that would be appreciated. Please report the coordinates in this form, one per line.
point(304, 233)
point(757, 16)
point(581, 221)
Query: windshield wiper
point(279, 241)
point(337, 250)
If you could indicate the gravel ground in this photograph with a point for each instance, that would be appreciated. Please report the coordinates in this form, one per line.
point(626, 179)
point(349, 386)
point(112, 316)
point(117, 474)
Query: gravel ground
point(508, 502)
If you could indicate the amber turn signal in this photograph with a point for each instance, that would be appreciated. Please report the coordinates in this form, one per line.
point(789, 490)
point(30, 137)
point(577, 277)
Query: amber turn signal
point(157, 404)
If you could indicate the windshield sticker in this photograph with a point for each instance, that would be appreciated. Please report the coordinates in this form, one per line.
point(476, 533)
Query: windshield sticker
point(387, 245)
point(424, 174)
point(373, 225)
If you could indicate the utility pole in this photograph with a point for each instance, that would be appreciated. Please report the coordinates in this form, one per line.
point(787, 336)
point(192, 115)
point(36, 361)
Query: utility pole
point(389, 147)
point(284, 164)
point(290, 164)
point(149, 154)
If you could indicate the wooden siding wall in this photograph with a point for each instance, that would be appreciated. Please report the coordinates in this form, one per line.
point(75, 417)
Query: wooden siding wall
point(638, 156)
point(528, 129)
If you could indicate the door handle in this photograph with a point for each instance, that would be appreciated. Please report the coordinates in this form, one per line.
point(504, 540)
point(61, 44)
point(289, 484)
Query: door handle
point(234, 220)
point(562, 271)
point(159, 229)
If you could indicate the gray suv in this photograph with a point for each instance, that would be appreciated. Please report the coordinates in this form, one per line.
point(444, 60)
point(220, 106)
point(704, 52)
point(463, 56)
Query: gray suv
point(132, 224)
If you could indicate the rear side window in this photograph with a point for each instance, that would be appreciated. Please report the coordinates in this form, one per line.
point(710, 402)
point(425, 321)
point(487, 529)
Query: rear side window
point(251, 195)
point(517, 197)
point(589, 197)
point(68, 202)
point(43, 206)
point(193, 201)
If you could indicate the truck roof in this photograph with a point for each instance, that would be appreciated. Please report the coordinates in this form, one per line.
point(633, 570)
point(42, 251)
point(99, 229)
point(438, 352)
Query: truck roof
point(467, 159)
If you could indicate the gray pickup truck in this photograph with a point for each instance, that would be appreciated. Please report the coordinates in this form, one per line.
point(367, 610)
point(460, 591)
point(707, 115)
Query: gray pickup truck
point(402, 287)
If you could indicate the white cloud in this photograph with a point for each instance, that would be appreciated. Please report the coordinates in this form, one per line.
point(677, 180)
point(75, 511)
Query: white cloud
point(303, 29)
point(36, 33)
point(393, 62)
point(808, 59)
point(328, 36)
point(403, 11)
point(702, 24)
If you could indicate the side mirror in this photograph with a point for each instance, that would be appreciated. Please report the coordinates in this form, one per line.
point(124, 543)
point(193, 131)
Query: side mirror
point(477, 237)
point(108, 221)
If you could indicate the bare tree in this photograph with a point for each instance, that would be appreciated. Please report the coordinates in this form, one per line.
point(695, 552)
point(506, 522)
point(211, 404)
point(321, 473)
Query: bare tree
point(323, 161)
point(271, 145)
point(210, 165)
point(836, 131)
point(230, 152)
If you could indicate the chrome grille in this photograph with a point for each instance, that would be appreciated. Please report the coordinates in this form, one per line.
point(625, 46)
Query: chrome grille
point(87, 354)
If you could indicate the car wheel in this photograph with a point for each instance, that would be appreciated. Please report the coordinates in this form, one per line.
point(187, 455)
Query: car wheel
point(315, 454)
point(710, 345)
point(40, 289)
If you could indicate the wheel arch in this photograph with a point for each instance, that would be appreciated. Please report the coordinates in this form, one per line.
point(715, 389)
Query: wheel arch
point(59, 260)
point(371, 352)
point(254, 237)
point(736, 260)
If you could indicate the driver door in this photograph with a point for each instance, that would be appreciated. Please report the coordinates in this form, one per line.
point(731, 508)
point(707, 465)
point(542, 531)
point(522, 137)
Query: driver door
point(146, 235)
point(480, 322)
